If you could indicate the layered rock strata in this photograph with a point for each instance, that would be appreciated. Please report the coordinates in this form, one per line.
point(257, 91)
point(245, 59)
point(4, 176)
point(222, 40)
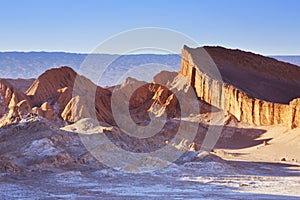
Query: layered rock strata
point(255, 89)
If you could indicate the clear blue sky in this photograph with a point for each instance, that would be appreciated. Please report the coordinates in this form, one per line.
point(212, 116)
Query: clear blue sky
point(270, 27)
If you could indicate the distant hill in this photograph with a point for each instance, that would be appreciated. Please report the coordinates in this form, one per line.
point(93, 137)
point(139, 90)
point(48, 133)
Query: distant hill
point(32, 64)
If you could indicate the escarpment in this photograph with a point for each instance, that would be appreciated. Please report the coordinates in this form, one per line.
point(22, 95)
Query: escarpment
point(255, 89)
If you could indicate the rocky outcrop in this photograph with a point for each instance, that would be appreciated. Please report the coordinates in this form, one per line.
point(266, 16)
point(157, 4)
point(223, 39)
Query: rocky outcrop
point(87, 100)
point(17, 113)
point(77, 109)
point(47, 111)
point(62, 93)
point(50, 85)
point(9, 96)
point(255, 89)
point(13, 104)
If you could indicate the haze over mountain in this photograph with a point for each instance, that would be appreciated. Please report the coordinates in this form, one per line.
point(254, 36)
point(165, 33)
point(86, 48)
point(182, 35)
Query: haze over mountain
point(32, 64)
point(290, 59)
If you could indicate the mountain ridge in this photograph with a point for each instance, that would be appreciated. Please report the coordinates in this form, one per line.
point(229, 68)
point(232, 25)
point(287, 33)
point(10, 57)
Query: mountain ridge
point(32, 64)
point(55, 86)
point(245, 84)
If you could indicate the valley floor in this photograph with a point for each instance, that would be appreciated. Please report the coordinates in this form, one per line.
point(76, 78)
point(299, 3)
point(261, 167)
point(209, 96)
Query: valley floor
point(240, 171)
point(208, 180)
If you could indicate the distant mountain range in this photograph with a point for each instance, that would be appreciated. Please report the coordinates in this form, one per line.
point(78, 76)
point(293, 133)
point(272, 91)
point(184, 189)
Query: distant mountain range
point(32, 64)
point(290, 59)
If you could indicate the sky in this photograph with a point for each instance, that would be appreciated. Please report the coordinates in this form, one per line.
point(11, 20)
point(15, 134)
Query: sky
point(268, 27)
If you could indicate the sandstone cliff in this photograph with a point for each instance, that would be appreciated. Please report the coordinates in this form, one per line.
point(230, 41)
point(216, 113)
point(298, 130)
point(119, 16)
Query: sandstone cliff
point(255, 89)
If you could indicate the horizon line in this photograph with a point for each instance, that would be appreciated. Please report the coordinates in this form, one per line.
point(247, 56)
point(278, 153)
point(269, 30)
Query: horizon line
point(112, 54)
point(81, 53)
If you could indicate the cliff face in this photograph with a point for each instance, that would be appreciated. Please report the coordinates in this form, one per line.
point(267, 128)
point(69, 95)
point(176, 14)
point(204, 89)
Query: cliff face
point(255, 89)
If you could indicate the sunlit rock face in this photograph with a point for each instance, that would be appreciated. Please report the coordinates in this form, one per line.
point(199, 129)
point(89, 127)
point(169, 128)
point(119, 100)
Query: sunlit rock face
point(13, 104)
point(255, 89)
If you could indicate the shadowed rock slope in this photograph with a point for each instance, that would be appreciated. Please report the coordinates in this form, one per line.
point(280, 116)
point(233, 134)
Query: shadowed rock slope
point(56, 88)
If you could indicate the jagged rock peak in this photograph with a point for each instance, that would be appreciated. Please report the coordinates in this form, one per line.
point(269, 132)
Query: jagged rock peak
point(47, 85)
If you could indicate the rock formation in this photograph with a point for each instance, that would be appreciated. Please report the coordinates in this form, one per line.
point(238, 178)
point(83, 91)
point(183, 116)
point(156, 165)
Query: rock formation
point(9, 96)
point(255, 89)
point(63, 93)
point(13, 103)
point(17, 113)
point(50, 85)
point(47, 111)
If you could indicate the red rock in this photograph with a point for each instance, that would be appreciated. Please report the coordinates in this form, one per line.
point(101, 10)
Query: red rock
point(23, 107)
point(9, 96)
point(47, 111)
point(255, 89)
point(47, 87)
point(56, 86)
point(46, 106)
